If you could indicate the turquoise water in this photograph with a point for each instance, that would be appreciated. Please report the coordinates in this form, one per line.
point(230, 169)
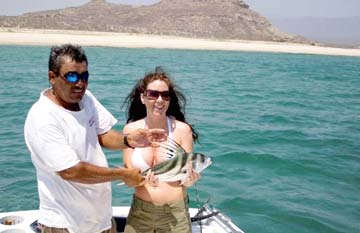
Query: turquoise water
point(283, 130)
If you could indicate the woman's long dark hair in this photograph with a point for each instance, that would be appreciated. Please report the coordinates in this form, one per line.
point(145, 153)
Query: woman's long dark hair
point(136, 110)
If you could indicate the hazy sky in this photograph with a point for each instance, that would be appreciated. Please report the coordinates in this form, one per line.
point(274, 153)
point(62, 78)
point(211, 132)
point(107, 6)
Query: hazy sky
point(268, 8)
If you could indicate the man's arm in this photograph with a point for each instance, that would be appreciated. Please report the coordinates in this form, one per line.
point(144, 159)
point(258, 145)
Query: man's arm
point(114, 140)
point(91, 174)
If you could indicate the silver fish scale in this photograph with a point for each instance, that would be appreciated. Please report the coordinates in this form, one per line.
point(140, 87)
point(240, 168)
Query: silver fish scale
point(175, 168)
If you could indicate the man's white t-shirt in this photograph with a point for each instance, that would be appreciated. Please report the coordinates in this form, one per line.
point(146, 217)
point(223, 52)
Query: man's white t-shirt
point(59, 139)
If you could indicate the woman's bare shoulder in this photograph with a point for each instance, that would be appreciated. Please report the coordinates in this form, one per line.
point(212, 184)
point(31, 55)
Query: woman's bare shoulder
point(180, 126)
point(131, 126)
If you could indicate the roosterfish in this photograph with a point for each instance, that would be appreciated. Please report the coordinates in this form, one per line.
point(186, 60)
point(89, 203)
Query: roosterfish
point(175, 168)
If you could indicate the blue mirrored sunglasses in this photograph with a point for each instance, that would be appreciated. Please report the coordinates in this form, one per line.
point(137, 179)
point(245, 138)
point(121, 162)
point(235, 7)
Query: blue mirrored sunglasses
point(73, 77)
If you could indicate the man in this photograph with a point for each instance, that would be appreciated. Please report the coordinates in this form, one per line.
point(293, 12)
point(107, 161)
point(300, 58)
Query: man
point(64, 132)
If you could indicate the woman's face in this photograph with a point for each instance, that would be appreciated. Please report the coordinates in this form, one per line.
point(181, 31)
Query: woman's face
point(156, 98)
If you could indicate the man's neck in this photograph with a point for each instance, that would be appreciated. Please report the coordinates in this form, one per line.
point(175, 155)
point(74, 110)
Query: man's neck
point(52, 96)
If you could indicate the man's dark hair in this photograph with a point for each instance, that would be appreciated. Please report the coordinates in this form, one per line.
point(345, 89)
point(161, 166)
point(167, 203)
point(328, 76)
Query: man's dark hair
point(57, 53)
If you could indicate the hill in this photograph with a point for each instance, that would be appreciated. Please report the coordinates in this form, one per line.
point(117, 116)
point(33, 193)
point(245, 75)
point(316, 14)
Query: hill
point(215, 19)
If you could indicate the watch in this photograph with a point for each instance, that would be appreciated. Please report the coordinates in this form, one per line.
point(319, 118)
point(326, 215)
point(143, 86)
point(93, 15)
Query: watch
point(126, 142)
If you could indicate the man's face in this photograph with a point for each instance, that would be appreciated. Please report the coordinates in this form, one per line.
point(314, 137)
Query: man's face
point(68, 94)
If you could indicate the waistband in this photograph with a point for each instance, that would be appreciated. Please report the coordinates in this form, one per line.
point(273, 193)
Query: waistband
point(177, 206)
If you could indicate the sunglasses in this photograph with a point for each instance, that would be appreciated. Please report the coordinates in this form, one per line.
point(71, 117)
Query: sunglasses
point(73, 77)
point(154, 95)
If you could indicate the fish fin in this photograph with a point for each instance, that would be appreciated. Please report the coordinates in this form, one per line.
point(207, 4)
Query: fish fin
point(176, 145)
point(172, 148)
point(167, 154)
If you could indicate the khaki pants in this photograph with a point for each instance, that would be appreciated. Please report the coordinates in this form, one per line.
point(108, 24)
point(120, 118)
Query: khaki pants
point(46, 229)
point(145, 217)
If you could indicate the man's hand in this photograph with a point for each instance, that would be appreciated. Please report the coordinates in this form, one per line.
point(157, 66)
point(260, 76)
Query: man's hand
point(132, 177)
point(146, 137)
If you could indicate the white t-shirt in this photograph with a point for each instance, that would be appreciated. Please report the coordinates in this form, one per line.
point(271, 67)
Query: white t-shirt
point(59, 139)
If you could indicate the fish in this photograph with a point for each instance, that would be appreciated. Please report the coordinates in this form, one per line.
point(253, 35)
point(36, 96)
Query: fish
point(175, 168)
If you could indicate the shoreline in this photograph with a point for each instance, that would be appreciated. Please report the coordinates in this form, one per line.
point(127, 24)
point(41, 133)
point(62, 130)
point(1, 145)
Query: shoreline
point(16, 36)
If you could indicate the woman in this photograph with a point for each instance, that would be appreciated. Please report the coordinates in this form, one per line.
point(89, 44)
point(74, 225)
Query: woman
point(157, 206)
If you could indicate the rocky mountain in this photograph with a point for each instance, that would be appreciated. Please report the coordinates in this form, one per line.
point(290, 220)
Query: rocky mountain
point(216, 19)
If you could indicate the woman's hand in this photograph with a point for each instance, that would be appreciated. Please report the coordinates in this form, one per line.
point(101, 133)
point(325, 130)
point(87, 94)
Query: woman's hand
point(151, 179)
point(193, 176)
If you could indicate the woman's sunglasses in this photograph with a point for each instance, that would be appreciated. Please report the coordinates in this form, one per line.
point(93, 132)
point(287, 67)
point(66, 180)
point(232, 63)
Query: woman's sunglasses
point(154, 95)
point(73, 77)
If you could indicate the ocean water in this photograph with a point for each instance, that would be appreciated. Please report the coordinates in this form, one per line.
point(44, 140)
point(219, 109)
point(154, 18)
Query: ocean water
point(283, 130)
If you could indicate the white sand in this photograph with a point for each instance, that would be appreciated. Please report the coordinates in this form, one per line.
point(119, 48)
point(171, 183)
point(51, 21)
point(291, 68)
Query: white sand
point(85, 38)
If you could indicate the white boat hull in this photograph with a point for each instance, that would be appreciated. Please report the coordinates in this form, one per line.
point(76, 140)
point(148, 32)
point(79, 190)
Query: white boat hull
point(213, 222)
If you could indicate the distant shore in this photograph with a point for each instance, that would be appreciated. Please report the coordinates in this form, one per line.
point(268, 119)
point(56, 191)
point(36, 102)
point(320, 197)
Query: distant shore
point(109, 39)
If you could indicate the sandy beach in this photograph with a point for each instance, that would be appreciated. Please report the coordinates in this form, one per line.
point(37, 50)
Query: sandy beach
point(108, 39)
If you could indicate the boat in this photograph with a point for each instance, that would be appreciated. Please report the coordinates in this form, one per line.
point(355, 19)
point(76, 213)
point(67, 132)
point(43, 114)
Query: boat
point(206, 219)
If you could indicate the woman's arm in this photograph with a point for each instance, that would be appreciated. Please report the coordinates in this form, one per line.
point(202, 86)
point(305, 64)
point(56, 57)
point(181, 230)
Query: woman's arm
point(187, 143)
